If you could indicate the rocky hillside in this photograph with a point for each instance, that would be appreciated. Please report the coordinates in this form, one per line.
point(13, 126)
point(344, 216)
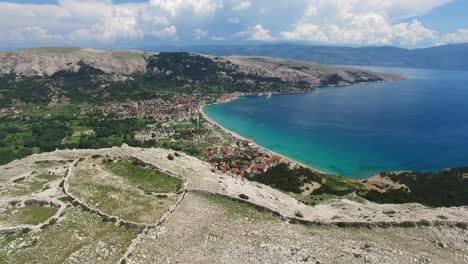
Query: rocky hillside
point(45, 62)
point(45, 75)
point(186, 67)
point(129, 205)
point(255, 71)
point(99, 73)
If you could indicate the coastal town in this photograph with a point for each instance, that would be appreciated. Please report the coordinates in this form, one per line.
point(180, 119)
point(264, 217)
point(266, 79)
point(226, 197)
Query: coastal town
point(182, 114)
point(179, 108)
point(176, 122)
point(243, 158)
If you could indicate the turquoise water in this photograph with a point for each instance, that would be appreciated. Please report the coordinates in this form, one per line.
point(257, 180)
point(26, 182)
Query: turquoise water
point(416, 124)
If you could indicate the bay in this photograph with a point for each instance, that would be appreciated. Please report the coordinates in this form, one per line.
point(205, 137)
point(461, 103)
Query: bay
point(418, 124)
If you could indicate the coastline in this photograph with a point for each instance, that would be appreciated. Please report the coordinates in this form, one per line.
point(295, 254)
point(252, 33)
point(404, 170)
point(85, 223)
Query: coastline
point(235, 135)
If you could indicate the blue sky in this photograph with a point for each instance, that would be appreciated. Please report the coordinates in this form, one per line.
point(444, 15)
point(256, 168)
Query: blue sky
point(447, 18)
point(143, 23)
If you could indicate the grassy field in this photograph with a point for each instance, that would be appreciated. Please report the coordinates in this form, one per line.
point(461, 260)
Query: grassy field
point(26, 215)
point(149, 180)
point(48, 177)
point(30, 185)
point(123, 196)
point(239, 209)
point(125, 203)
point(81, 237)
point(184, 126)
point(24, 188)
point(68, 110)
point(71, 140)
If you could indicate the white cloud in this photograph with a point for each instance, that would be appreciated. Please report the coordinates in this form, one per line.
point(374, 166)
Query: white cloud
point(200, 34)
point(87, 10)
point(308, 32)
point(412, 34)
point(256, 33)
point(195, 7)
point(242, 5)
point(165, 33)
point(357, 22)
point(121, 24)
point(149, 18)
point(32, 33)
point(363, 22)
point(456, 37)
point(369, 30)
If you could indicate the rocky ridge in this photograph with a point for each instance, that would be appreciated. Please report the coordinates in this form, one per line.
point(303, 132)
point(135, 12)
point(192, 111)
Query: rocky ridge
point(46, 62)
point(204, 225)
point(201, 179)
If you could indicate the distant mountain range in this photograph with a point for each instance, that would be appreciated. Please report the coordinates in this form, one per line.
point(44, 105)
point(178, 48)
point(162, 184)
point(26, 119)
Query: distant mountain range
point(450, 57)
point(43, 75)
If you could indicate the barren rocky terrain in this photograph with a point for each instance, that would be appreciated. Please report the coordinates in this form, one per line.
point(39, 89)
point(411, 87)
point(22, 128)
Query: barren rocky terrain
point(138, 206)
point(49, 61)
point(297, 71)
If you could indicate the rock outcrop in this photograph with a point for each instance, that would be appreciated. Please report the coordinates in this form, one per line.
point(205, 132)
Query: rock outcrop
point(48, 61)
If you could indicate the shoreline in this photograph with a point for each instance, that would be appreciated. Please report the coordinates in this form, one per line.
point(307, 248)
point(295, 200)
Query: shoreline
point(237, 136)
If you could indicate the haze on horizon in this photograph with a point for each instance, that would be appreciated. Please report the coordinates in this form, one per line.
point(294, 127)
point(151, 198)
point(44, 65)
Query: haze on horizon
point(138, 23)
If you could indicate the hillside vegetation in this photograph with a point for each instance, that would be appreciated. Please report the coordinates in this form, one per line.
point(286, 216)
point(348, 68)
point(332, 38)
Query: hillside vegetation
point(84, 75)
point(442, 188)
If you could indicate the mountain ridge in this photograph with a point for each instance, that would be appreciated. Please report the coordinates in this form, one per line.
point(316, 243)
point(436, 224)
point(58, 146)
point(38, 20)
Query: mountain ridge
point(48, 61)
point(448, 57)
point(83, 74)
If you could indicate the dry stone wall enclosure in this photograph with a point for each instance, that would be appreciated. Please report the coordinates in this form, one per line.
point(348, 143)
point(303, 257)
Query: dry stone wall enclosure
point(232, 217)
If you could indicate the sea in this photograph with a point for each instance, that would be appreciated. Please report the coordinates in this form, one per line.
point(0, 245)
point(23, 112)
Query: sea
point(416, 124)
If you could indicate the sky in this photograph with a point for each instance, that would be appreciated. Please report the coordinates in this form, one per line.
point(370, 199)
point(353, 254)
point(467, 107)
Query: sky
point(152, 23)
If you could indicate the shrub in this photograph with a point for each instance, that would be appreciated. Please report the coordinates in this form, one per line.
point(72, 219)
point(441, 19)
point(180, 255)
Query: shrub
point(281, 177)
point(298, 214)
point(243, 196)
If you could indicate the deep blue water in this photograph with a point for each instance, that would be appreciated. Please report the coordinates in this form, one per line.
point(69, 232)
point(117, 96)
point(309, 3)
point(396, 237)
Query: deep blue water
point(416, 124)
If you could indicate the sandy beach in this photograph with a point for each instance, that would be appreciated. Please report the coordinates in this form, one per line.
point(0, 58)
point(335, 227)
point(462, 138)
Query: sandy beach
point(237, 136)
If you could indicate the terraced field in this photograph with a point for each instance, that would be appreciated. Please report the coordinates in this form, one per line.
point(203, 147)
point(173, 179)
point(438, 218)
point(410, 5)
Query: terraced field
point(26, 215)
point(127, 205)
point(80, 237)
point(125, 190)
point(86, 210)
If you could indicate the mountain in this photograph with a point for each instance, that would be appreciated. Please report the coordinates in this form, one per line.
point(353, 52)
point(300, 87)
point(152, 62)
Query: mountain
point(87, 74)
point(49, 61)
point(450, 57)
